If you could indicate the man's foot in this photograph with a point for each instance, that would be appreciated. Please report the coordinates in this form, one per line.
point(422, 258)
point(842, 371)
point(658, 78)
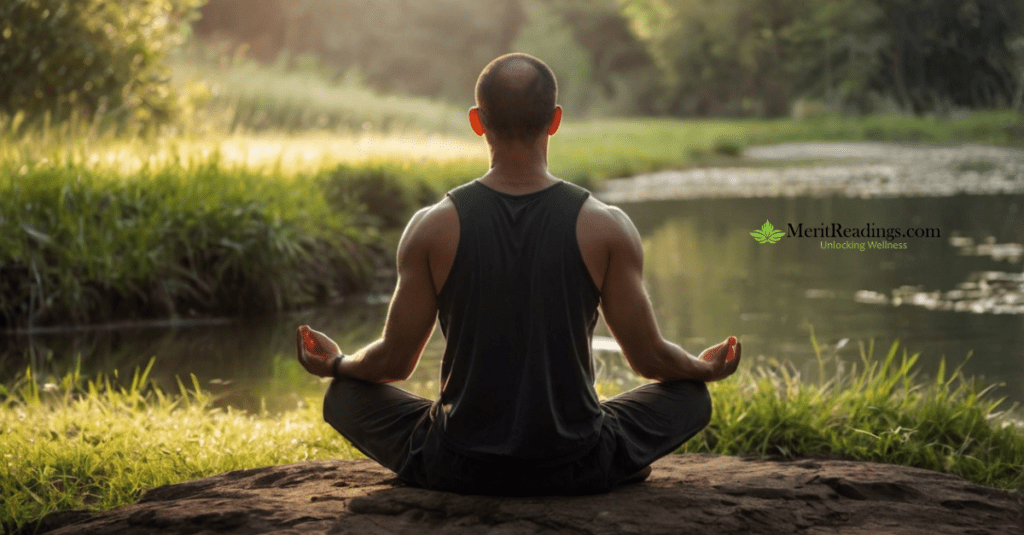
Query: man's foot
point(637, 477)
point(316, 351)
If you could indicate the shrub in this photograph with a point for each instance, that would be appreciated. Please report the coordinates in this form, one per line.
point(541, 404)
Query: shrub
point(94, 55)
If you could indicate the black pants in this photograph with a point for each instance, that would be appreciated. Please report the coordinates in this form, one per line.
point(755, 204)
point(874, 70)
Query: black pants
point(393, 427)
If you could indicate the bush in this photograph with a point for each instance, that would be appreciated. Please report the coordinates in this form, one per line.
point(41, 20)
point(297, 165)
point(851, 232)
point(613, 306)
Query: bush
point(93, 55)
point(386, 196)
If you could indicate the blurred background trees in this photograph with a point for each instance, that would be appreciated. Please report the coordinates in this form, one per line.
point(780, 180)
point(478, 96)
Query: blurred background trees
point(90, 55)
point(613, 57)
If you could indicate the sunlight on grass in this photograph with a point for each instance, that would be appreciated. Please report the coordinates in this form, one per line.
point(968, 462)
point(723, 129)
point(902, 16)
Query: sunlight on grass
point(872, 410)
point(72, 442)
point(288, 154)
point(99, 443)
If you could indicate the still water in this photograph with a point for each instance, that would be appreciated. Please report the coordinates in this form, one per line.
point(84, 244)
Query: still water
point(947, 296)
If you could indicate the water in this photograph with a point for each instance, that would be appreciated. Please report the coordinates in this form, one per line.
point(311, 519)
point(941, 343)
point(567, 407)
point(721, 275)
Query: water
point(708, 279)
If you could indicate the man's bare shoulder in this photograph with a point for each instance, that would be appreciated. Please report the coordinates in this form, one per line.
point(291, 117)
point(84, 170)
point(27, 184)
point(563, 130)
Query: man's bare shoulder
point(609, 222)
point(436, 217)
point(433, 226)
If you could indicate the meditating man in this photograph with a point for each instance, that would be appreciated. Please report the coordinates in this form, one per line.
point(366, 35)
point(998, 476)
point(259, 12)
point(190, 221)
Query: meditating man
point(515, 264)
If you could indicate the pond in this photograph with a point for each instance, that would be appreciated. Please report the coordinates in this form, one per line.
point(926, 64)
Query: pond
point(946, 296)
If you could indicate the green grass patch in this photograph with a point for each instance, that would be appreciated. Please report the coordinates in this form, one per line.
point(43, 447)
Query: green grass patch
point(73, 442)
point(80, 245)
point(99, 443)
point(874, 410)
point(240, 95)
point(593, 151)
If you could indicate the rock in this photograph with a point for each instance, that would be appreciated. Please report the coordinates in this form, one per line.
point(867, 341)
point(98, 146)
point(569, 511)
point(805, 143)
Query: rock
point(692, 493)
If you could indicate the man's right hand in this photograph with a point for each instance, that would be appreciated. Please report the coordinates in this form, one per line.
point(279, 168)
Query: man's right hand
point(717, 355)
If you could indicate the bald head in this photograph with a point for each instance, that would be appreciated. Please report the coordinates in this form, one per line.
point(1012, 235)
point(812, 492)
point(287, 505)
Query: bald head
point(516, 95)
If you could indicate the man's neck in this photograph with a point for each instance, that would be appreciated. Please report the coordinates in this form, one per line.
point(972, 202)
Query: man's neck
point(519, 167)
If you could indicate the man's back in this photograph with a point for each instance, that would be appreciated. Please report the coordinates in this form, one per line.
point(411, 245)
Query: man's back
point(518, 311)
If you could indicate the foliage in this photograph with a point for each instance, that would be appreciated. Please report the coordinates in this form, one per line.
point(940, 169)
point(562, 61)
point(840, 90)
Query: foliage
point(83, 245)
point(877, 411)
point(389, 196)
point(99, 443)
point(615, 72)
point(424, 48)
point(245, 96)
point(752, 58)
point(99, 56)
point(650, 57)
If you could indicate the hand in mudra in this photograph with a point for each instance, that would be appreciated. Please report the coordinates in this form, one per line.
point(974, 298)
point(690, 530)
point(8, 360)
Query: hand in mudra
point(724, 358)
point(317, 353)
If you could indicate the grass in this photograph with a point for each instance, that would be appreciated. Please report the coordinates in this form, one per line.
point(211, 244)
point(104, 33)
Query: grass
point(593, 151)
point(100, 443)
point(80, 245)
point(239, 94)
point(877, 411)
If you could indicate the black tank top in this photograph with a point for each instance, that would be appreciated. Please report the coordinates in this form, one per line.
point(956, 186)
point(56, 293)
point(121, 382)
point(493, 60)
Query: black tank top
point(518, 312)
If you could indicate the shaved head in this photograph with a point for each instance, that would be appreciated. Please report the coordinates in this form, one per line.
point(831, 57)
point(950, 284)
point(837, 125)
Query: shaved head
point(516, 96)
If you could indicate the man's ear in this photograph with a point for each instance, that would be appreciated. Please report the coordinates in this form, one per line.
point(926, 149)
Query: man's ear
point(556, 120)
point(474, 121)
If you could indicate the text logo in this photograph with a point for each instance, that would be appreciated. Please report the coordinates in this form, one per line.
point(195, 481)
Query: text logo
point(767, 233)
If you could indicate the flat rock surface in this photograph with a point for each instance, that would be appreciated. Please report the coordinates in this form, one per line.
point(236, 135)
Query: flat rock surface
point(844, 169)
point(685, 494)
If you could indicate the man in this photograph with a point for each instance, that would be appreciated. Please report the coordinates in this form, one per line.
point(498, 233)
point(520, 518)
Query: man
point(515, 265)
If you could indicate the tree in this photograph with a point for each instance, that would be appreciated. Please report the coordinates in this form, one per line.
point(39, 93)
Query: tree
point(720, 57)
point(56, 56)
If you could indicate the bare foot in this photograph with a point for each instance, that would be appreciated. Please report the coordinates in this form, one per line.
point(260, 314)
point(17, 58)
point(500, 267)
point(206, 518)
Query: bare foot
point(316, 351)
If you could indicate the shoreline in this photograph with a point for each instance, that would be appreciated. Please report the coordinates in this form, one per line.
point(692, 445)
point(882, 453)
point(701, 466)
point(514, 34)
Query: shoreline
point(859, 170)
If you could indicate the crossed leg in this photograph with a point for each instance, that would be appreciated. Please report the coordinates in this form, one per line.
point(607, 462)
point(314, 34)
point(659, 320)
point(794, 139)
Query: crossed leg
point(644, 424)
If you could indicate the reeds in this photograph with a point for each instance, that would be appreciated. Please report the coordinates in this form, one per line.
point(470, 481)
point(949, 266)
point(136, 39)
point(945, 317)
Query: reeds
point(80, 245)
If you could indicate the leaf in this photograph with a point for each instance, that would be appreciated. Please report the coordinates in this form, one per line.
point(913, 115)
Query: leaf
point(767, 228)
point(759, 236)
point(36, 234)
point(776, 236)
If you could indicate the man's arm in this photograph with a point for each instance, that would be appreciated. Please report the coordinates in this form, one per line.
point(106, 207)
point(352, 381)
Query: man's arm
point(411, 314)
point(630, 317)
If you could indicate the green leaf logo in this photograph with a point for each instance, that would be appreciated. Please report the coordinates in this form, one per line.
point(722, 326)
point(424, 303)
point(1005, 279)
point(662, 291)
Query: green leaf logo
point(767, 234)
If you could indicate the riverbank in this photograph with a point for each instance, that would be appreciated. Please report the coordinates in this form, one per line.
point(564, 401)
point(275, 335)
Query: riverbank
point(100, 443)
point(96, 228)
point(848, 169)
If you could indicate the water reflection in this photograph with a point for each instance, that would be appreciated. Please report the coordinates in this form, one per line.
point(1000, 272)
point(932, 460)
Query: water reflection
point(708, 279)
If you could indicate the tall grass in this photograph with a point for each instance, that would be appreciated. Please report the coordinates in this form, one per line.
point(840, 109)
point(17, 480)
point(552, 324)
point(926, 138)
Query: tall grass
point(874, 410)
point(78, 245)
point(242, 95)
point(72, 442)
point(99, 443)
